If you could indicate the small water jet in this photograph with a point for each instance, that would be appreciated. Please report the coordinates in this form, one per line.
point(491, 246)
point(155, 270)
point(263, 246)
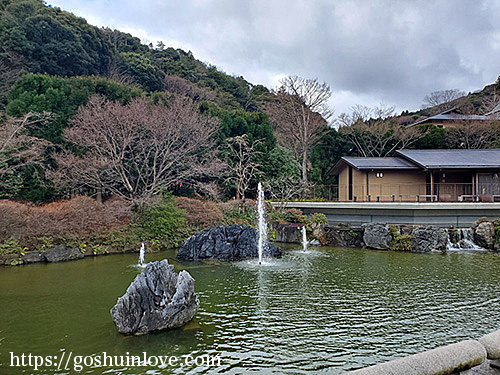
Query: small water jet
point(142, 254)
point(262, 225)
point(464, 240)
point(304, 239)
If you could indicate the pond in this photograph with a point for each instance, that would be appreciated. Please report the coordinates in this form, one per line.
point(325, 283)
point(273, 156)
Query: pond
point(325, 311)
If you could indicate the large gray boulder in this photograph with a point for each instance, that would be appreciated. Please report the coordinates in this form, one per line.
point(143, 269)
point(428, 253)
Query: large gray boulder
point(233, 242)
point(61, 253)
point(484, 235)
point(157, 299)
point(429, 238)
point(344, 236)
point(289, 233)
point(376, 236)
point(32, 257)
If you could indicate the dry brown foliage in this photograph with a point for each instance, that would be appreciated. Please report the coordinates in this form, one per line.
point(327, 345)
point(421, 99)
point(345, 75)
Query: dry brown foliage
point(80, 216)
point(139, 149)
point(200, 213)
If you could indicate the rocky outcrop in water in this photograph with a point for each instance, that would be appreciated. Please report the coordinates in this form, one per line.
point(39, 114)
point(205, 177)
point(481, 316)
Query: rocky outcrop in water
point(157, 299)
point(61, 253)
point(377, 236)
point(429, 238)
point(286, 232)
point(484, 235)
point(32, 257)
point(344, 236)
point(233, 242)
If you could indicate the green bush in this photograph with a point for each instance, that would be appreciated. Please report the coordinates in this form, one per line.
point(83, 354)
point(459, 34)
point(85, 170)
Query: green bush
point(11, 247)
point(277, 215)
point(163, 223)
point(496, 239)
point(244, 212)
point(317, 218)
point(453, 235)
point(399, 242)
point(294, 215)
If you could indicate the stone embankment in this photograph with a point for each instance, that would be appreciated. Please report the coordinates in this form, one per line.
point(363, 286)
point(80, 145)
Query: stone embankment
point(414, 238)
point(470, 357)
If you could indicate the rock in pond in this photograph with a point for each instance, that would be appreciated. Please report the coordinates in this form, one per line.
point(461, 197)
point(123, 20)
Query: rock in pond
point(376, 236)
point(429, 238)
point(62, 253)
point(233, 242)
point(32, 257)
point(484, 234)
point(157, 299)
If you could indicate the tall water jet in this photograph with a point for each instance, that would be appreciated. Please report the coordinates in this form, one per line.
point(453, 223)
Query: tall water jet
point(304, 238)
point(142, 254)
point(262, 230)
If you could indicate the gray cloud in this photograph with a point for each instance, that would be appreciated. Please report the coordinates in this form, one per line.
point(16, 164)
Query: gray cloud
point(369, 52)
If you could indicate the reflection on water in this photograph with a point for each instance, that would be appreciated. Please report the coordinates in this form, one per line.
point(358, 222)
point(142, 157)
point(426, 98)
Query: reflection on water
point(325, 310)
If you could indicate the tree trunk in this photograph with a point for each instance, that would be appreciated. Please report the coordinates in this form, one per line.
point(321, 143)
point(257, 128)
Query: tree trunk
point(304, 167)
point(99, 195)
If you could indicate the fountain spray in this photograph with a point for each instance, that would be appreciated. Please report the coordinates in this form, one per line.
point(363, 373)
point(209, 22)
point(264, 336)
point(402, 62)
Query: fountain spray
point(304, 238)
point(262, 221)
point(142, 254)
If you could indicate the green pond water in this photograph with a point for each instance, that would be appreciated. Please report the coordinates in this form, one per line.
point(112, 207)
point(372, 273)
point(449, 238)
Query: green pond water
point(325, 311)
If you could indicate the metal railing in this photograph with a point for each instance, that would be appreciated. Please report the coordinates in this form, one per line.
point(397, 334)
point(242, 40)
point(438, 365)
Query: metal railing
point(439, 192)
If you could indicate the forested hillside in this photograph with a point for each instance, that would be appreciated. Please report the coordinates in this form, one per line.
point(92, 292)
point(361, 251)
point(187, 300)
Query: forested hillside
point(53, 62)
point(40, 39)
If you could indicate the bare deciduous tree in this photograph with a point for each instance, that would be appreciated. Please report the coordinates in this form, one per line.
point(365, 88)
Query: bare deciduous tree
point(180, 86)
point(300, 113)
point(365, 114)
point(441, 97)
point(242, 162)
point(137, 150)
point(284, 189)
point(469, 134)
point(18, 149)
point(381, 138)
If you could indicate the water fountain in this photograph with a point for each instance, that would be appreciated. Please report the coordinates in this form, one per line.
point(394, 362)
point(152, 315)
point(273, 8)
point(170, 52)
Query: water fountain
point(262, 230)
point(304, 238)
point(464, 240)
point(142, 253)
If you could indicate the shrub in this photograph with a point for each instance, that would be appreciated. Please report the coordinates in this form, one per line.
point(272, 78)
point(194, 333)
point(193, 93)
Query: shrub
point(200, 214)
point(399, 242)
point(496, 239)
point(78, 217)
point(453, 235)
point(163, 223)
point(294, 215)
point(240, 212)
point(317, 218)
point(11, 247)
point(277, 215)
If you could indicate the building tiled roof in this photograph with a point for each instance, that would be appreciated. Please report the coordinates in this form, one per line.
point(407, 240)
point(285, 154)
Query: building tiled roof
point(362, 163)
point(452, 117)
point(426, 159)
point(453, 159)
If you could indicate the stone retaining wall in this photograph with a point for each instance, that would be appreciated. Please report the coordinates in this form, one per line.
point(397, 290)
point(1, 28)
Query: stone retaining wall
point(468, 357)
point(414, 238)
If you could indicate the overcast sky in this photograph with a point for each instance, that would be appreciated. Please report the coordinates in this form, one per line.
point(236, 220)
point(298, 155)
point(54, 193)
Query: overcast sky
point(369, 52)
